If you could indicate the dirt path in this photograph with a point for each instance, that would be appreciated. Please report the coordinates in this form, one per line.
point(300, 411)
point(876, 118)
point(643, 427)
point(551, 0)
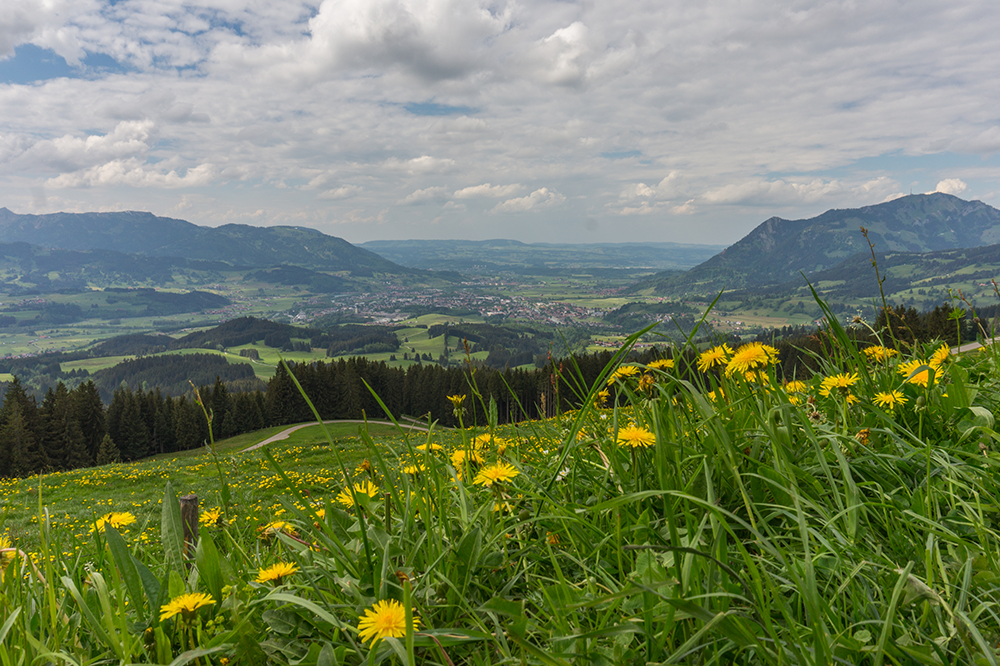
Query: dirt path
point(284, 434)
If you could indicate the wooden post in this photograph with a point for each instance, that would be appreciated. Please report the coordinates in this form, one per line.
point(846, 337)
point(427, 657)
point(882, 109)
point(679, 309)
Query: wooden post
point(189, 518)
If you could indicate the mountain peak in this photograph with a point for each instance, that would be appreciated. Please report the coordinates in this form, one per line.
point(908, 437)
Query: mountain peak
point(777, 250)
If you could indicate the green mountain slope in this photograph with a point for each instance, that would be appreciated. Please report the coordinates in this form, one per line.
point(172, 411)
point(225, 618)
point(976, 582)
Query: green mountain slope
point(238, 244)
point(778, 250)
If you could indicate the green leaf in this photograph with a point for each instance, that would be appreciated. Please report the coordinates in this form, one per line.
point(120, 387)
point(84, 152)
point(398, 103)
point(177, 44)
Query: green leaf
point(126, 565)
point(152, 588)
point(171, 529)
point(502, 606)
point(209, 565)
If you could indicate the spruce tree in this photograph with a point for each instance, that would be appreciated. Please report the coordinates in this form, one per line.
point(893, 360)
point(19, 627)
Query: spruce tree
point(107, 452)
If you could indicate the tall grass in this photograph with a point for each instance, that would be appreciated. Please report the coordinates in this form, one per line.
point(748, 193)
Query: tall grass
point(750, 523)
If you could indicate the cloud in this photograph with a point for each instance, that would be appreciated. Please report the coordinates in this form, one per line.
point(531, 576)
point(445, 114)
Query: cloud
point(133, 173)
point(488, 190)
point(343, 192)
point(424, 164)
point(539, 199)
point(951, 186)
point(423, 196)
point(129, 139)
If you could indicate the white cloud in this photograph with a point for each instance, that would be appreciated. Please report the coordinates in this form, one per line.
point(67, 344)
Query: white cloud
point(424, 164)
point(437, 193)
point(132, 173)
point(129, 139)
point(343, 192)
point(488, 190)
point(539, 199)
point(951, 186)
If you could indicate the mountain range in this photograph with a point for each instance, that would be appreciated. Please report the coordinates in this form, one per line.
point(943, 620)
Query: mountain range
point(778, 250)
point(239, 245)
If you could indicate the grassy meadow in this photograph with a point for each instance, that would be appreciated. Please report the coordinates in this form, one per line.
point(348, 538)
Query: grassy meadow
point(714, 517)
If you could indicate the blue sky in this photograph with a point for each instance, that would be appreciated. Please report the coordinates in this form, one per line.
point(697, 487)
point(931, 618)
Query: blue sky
point(546, 121)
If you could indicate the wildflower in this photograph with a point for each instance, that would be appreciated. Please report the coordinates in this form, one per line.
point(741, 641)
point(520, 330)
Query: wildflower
point(889, 399)
point(795, 387)
point(715, 356)
point(429, 447)
point(646, 382)
point(8, 551)
point(601, 397)
point(552, 538)
point(622, 373)
point(363, 488)
point(275, 527)
point(939, 356)
point(841, 382)
point(497, 473)
point(383, 620)
point(364, 467)
point(117, 520)
point(636, 437)
point(186, 605)
point(211, 517)
point(456, 401)
point(662, 364)
point(863, 436)
point(275, 572)
point(413, 470)
point(878, 353)
point(915, 372)
point(752, 356)
point(461, 456)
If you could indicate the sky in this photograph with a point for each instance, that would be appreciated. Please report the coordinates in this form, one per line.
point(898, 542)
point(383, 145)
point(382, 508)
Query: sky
point(540, 120)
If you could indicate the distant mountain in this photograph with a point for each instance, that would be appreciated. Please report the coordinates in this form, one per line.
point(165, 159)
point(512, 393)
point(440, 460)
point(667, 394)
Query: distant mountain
point(515, 256)
point(777, 250)
point(237, 244)
point(52, 270)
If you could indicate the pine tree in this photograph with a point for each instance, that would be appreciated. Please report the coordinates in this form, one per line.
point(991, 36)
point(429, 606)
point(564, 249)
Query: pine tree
point(88, 412)
point(108, 453)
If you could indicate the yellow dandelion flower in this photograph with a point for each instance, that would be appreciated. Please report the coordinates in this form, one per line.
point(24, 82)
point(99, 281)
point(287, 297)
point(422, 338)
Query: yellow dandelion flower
point(710, 358)
point(186, 605)
point(622, 373)
point(429, 447)
point(840, 382)
point(752, 356)
point(383, 620)
point(461, 456)
point(498, 473)
point(939, 356)
point(796, 387)
point(456, 400)
point(878, 353)
point(276, 526)
point(601, 397)
point(915, 372)
point(636, 437)
point(646, 382)
point(363, 488)
point(889, 399)
point(211, 517)
point(275, 572)
point(661, 364)
point(117, 520)
point(863, 436)
point(413, 470)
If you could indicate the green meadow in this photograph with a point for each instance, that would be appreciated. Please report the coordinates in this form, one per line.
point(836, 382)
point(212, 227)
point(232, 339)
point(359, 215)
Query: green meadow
point(697, 510)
